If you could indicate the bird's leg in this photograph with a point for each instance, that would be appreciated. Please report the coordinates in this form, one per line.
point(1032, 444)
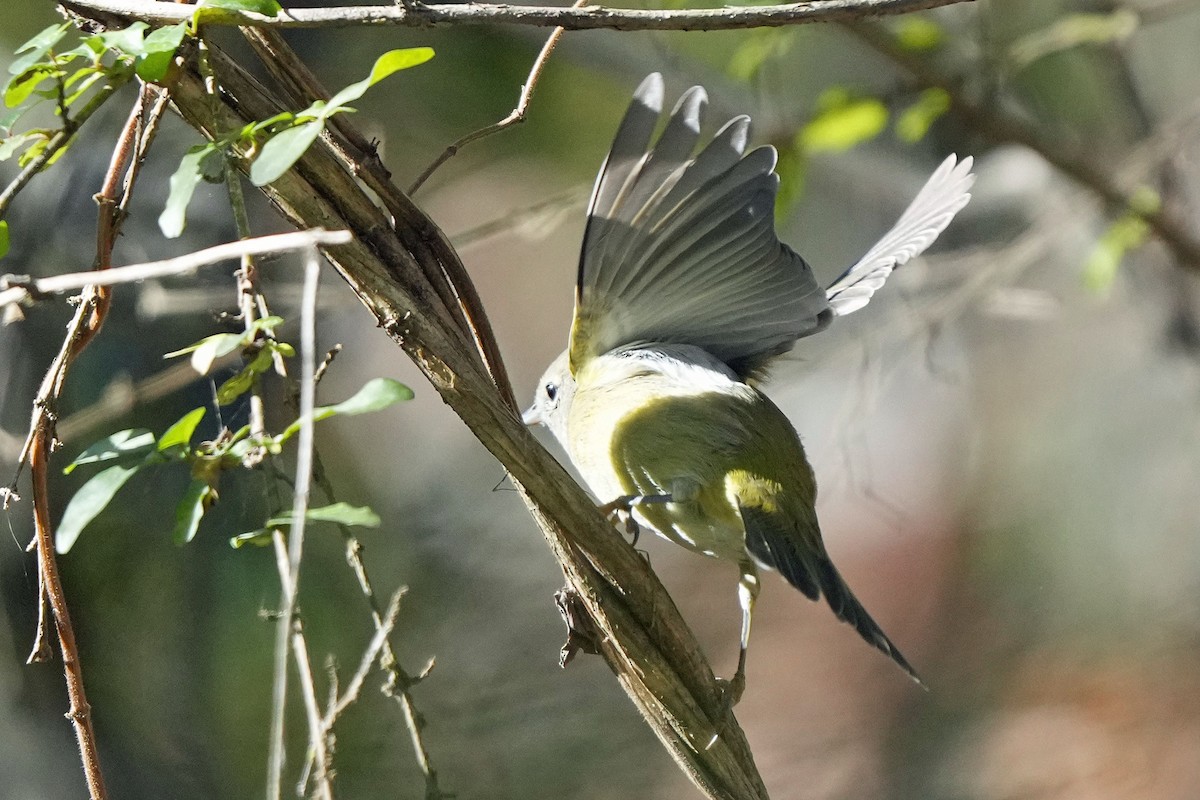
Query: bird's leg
point(623, 506)
point(748, 587)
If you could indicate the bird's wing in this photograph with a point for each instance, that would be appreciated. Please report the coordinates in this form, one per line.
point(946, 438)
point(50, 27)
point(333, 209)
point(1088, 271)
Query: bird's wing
point(683, 249)
point(774, 541)
point(943, 196)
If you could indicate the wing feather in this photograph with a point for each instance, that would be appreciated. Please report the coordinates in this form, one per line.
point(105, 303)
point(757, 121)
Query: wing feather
point(683, 249)
point(943, 196)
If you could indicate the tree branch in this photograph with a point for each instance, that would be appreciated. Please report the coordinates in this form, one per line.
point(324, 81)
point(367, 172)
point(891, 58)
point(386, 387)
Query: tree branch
point(420, 15)
point(643, 637)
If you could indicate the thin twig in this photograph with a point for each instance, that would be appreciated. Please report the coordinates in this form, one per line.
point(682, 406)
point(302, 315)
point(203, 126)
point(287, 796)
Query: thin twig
point(14, 289)
point(378, 642)
point(422, 15)
point(517, 115)
point(288, 630)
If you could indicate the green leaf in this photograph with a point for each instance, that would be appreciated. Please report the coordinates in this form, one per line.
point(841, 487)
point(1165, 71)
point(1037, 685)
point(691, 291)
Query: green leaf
point(258, 538)
point(4, 243)
point(92, 498)
point(158, 51)
point(131, 442)
point(756, 49)
point(1127, 232)
point(283, 150)
point(1072, 31)
point(339, 513)
point(180, 433)
point(388, 63)
point(919, 34)
point(842, 122)
point(10, 145)
point(268, 8)
point(23, 85)
point(915, 121)
point(242, 382)
point(128, 40)
point(196, 163)
point(36, 48)
point(198, 498)
point(376, 394)
point(209, 349)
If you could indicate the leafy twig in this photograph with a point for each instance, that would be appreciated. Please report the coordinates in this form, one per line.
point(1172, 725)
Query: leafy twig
point(88, 319)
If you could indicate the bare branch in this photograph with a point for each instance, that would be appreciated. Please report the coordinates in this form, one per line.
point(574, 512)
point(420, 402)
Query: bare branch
point(516, 116)
point(289, 563)
point(420, 15)
point(14, 290)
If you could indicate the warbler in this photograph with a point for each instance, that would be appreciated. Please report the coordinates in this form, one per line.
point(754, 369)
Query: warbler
point(684, 296)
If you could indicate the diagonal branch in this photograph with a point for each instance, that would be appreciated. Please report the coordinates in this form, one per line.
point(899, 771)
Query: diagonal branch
point(642, 636)
point(421, 15)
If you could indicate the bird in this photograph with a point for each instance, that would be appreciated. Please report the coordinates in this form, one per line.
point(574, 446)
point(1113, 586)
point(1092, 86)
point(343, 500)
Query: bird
point(684, 296)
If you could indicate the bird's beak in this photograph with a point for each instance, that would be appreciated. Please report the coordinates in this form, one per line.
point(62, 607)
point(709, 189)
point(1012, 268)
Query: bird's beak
point(531, 416)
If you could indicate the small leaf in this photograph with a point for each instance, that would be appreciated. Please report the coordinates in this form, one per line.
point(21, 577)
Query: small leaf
point(843, 122)
point(4, 243)
point(1126, 233)
point(756, 49)
point(388, 63)
point(92, 498)
point(258, 538)
point(10, 145)
point(283, 150)
point(33, 50)
point(919, 34)
point(268, 8)
point(375, 395)
point(180, 433)
point(159, 50)
point(198, 498)
point(127, 40)
point(22, 86)
point(243, 381)
point(339, 513)
point(915, 121)
point(192, 169)
point(131, 442)
point(208, 350)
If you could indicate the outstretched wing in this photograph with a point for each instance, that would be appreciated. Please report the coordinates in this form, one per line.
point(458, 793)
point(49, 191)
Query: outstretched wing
point(943, 196)
point(683, 249)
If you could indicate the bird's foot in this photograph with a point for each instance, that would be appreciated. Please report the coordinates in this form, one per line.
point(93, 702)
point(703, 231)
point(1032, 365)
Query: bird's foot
point(731, 691)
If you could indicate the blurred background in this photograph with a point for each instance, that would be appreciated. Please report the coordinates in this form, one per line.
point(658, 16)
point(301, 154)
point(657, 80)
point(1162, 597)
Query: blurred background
point(1007, 439)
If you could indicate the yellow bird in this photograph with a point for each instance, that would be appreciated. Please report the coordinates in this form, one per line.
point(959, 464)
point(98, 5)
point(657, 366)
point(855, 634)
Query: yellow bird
point(684, 295)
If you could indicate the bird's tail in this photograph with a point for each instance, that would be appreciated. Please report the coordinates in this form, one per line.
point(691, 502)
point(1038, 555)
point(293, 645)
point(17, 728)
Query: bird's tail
point(809, 569)
point(847, 608)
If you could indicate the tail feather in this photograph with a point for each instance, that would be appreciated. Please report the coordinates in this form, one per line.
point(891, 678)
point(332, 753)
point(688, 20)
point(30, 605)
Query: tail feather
point(811, 571)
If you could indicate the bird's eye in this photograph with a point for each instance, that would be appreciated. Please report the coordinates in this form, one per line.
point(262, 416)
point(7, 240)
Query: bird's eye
point(552, 391)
